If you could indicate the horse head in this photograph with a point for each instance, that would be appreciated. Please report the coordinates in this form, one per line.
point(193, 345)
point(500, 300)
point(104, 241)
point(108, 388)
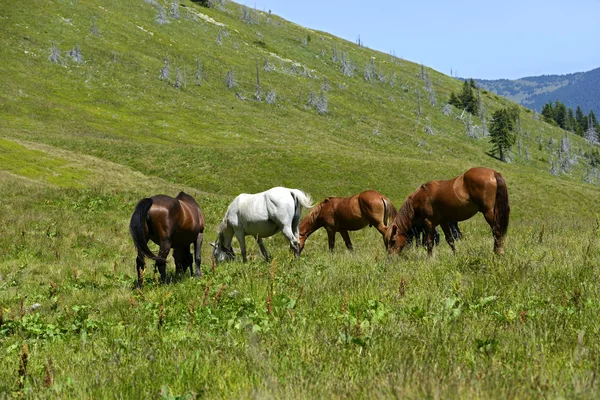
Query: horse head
point(398, 232)
point(395, 239)
point(220, 252)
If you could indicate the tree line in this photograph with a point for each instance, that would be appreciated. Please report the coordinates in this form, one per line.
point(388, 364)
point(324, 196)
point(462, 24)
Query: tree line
point(559, 115)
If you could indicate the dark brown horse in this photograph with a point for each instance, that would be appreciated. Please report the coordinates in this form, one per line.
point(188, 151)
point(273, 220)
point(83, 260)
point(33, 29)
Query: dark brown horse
point(343, 214)
point(171, 223)
point(439, 202)
point(418, 235)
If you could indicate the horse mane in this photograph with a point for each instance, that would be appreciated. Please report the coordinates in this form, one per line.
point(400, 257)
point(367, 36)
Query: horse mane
point(404, 218)
point(221, 227)
point(314, 212)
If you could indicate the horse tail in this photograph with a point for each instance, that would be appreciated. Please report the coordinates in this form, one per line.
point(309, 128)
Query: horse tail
point(136, 228)
point(501, 206)
point(389, 211)
point(302, 198)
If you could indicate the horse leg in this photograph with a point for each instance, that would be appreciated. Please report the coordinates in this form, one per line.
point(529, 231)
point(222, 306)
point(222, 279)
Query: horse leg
point(382, 229)
point(263, 249)
point(491, 220)
point(294, 242)
point(449, 236)
point(430, 232)
point(177, 260)
point(241, 237)
point(182, 259)
point(140, 266)
point(346, 238)
point(165, 247)
point(455, 230)
point(197, 255)
point(331, 239)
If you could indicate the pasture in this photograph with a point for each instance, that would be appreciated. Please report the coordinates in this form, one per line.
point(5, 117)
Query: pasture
point(346, 324)
point(82, 142)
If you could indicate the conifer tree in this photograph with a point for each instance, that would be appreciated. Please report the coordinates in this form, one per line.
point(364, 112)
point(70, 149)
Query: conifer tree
point(548, 113)
point(592, 119)
point(467, 98)
point(454, 100)
point(581, 122)
point(560, 114)
point(571, 123)
point(502, 135)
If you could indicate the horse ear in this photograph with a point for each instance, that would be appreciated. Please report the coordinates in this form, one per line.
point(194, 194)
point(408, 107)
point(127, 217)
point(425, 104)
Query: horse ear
point(214, 245)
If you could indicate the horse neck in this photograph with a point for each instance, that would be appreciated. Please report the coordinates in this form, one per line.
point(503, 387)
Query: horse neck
point(406, 215)
point(310, 224)
point(312, 221)
point(225, 237)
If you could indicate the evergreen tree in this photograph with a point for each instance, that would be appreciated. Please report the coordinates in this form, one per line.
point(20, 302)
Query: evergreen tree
point(571, 123)
point(592, 119)
point(560, 114)
point(548, 113)
point(581, 125)
point(454, 100)
point(467, 98)
point(502, 135)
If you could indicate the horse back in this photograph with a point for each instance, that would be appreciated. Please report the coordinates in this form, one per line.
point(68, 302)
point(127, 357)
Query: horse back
point(445, 200)
point(371, 202)
point(480, 183)
point(190, 216)
point(162, 217)
point(169, 215)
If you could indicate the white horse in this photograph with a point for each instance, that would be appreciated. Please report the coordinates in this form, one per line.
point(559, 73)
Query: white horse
point(261, 215)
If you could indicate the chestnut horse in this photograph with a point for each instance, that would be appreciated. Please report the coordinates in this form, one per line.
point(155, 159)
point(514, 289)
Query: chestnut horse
point(439, 202)
point(343, 214)
point(170, 223)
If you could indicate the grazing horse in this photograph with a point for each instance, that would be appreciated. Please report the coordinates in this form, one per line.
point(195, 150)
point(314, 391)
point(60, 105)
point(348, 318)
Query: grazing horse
point(171, 223)
point(261, 215)
point(439, 202)
point(343, 214)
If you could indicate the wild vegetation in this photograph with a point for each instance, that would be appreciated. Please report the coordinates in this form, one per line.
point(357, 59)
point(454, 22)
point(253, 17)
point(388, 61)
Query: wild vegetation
point(105, 103)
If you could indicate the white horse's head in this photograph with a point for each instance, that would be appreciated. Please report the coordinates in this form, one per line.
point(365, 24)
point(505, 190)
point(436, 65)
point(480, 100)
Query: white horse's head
point(220, 252)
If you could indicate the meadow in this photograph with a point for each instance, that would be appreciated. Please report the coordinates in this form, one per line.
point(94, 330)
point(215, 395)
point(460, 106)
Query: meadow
point(82, 142)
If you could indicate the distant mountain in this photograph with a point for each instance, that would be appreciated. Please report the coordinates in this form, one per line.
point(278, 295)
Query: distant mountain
point(582, 88)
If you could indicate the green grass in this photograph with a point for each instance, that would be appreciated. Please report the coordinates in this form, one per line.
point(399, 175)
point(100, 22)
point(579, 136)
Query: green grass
point(81, 144)
point(38, 165)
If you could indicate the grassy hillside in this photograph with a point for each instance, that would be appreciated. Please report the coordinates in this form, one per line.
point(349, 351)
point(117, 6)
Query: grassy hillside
point(85, 135)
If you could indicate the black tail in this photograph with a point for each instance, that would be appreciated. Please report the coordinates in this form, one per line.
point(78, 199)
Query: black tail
point(297, 214)
point(501, 206)
point(136, 228)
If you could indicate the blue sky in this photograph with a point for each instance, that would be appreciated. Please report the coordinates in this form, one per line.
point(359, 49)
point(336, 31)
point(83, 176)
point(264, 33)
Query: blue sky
point(480, 39)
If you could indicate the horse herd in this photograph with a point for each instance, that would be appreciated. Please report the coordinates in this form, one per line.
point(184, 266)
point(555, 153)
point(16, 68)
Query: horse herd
point(177, 223)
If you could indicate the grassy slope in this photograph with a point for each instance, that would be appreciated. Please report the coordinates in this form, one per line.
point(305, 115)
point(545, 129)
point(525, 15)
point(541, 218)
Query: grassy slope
point(82, 143)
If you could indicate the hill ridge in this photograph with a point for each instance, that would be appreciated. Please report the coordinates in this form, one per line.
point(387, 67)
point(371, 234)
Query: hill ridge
point(573, 89)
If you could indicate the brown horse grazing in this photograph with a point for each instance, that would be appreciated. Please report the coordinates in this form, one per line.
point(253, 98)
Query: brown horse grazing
point(439, 202)
point(343, 214)
point(170, 223)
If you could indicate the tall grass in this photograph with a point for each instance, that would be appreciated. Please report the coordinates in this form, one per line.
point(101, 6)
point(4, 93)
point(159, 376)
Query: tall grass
point(82, 142)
